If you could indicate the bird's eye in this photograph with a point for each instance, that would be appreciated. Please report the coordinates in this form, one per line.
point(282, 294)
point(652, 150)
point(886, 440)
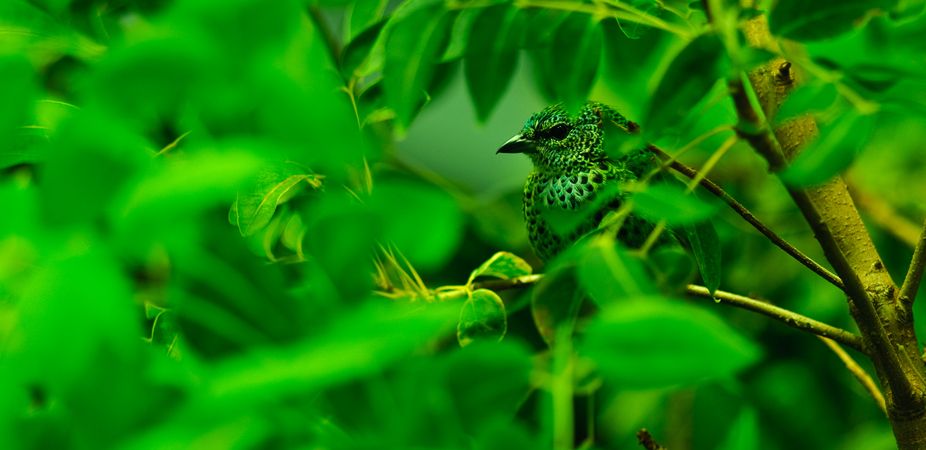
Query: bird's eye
point(558, 131)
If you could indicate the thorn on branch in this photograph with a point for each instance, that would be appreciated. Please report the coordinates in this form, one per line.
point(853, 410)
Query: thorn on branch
point(784, 75)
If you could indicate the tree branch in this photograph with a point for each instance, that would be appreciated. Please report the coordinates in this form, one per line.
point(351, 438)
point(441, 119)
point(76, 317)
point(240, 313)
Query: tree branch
point(788, 317)
point(751, 219)
point(911, 283)
point(858, 372)
point(785, 316)
point(829, 210)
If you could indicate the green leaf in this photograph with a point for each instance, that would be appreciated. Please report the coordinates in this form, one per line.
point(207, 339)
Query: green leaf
point(365, 341)
point(671, 267)
point(363, 15)
point(356, 52)
point(482, 317)
point(671, 202)
point(807, 21)
point(492, 56)
point(814, 97)
point(688, 78)
point(413, 47)
point(908, 10)
point(705, 246)
point(832, 151)
point(276, 184)
point(659, 342)
point(190, 184)
point(744, 433)
point(18, 91)
point(577, 46)
point(556, 300)
point(423, 222)
point(502, 265)
point(609, 273)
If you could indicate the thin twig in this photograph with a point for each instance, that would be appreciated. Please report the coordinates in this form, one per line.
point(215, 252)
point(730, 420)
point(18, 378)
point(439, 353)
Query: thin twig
point(885, 215)
point(911, 283)
point(788, 317)
point(858, 372)
point(752, 220)
point(831, 214)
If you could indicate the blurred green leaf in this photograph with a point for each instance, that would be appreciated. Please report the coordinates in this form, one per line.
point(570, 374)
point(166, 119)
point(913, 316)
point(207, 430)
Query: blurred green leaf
point(744, 434)
point(657, 342)
point(689, 76)
point(556, 300)
point(92, 161)
point(806, 21)
point(358, 49)
point(905, 10)
point(576, 45)
point(362, 16)
point(705, 246)
point(672, 203)
point(482, 317)
point(276, 184)
point(832, 151)
point(413, 46)
point(359, 343)
point(809, 98)
point(502, 265)
point(492, 56)
point(423, 222)
point(670, 267)
point(18, 92)
point(190, 184)
point(609, 273)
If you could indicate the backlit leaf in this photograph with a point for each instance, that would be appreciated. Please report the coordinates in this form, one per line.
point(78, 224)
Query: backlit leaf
point(482, 317)
point(275, 185)
point(502, 265)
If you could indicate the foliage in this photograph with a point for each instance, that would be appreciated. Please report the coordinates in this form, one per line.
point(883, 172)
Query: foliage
point(215, 236)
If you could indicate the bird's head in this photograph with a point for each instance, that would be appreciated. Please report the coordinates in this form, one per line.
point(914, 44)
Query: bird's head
point(561, 142)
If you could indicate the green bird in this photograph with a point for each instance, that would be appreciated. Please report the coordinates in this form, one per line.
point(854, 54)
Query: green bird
point(574, 177)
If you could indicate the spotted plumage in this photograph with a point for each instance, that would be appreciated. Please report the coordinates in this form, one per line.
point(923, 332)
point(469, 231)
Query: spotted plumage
point(575, 182)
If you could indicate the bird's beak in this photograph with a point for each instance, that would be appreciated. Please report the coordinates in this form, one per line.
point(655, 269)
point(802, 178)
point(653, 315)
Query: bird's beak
point(517, 144)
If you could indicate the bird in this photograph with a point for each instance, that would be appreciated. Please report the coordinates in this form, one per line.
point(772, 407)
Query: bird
point(575, 182)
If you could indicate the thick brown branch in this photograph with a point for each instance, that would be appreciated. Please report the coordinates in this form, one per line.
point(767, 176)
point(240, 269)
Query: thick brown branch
point(830, 212)
point(789, 318)
point(911, 283)
point(753, 220)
